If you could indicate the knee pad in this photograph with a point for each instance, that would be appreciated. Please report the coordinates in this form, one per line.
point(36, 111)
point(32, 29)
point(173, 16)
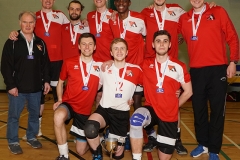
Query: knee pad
point(139, 119)
point(91, 129)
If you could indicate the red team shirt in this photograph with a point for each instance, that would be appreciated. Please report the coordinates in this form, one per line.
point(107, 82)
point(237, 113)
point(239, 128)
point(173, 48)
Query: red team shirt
point(69, 49)
point(54, 40)
point(166, 105)
point(135, 29)
point(132, 77)
point(81, 101)
point(102, 52)
point(174, 11)
point(214, 31)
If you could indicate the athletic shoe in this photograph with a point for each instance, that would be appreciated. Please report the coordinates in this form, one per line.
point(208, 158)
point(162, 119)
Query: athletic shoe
point(15, 148)
point(24, 138)
point(199, 151)
point(150, 145)
point(127, 146)
point(180, 148)
point(34, 143)
point(213, 156)
point(97, 157)
point(62, 158)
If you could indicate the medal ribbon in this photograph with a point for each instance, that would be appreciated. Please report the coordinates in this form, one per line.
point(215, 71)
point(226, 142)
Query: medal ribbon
point(46, 25)
point(99, 26)
point(122, 35)
point(73, 37)
point(160, 79)
point(195, 27)
point(163, 14)
point(85, 78)
point(29, 45)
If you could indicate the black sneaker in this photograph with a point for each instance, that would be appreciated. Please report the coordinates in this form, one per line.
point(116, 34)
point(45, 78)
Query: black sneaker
point(148, 147)
point(34, 143)
point(97, 157)
point(62, 158)
point(15, 148)
point(180, 148)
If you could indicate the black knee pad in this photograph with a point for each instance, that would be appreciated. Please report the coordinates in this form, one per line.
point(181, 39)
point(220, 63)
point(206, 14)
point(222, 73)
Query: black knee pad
point(166, 150)
point(91, 129)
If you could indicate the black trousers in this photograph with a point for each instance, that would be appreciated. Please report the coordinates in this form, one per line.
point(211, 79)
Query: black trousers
point(209, 87)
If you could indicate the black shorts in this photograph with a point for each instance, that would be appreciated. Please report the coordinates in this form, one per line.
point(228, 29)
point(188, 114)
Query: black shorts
point(118, 121)
point(55, 69)
point(166, 132)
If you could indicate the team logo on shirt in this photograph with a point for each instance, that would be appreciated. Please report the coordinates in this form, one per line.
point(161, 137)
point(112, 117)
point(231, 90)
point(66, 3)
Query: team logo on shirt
point(39, 47)
point(151, 14)
point(66, 28)
point(190, 20)
point(109, 71)
point(108, 16)
point(38, 16)
point(96, 68)
point(129, 73)
point(172, 13)
point(132, 24)
point(211, 17)
point(172, 68)
point(55, 16)
point(75, 67)
point(151, 65)
point(81, 27)
point(93, 16)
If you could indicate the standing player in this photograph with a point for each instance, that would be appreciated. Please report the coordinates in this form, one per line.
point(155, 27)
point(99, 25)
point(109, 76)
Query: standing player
point(48, 28)
point(72, 31)
point(98, 21)
point(163, 75)
point(82, 76)
point(119, 83)
point(206, 32)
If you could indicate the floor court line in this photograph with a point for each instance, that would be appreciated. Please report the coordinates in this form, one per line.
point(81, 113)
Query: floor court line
point(20, 117)
point(231, 141)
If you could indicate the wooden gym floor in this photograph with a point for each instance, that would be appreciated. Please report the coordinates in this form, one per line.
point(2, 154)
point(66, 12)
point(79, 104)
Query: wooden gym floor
point(230, 148)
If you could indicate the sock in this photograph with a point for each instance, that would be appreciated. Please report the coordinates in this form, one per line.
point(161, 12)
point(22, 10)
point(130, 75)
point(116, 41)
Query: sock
point(137, 156)
point(179, 130)
point(63, 150)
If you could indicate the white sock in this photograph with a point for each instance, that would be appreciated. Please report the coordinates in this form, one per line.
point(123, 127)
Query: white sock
point(137, 156)
point(63, 150)
point(179, 129)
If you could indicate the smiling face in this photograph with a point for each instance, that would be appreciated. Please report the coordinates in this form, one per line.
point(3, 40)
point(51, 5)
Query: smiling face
point(197, 5)
point(100, 3)
point(122, 6)
point(119, 50)
point(87, 46)
point(47, 4)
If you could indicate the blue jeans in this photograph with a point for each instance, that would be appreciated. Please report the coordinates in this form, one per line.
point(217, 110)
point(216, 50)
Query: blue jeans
point(16, 106)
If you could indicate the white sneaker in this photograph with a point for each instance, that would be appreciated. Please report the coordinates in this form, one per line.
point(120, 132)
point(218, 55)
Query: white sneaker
point(24, 138)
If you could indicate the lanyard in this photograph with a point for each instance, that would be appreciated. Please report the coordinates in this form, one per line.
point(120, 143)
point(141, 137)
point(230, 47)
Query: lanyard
point(122, 35)
point(99, 26)
point(163, 14)
point(160, 79)
point(73, 37)
point(118, 81)
point(85, 78)
point(29, 45)
point(195, 27)
point(46, 25)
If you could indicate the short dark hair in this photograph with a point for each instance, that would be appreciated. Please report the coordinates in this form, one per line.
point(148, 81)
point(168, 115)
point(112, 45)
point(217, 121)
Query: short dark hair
point(78, 2)
point(87, 35)
point(161, 32)
point(117, 40)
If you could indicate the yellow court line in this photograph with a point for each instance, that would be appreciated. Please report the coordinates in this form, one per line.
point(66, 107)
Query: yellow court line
point(20, 117)
point(192, 134)
point(3, 113)
point(231, 141)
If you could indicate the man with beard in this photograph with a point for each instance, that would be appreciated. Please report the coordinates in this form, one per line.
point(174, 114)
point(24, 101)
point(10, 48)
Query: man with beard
point(162, 76)
point(72, 31)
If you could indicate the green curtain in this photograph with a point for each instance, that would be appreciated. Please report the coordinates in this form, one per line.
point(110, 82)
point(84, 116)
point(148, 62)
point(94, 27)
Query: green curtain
point(111, 4)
